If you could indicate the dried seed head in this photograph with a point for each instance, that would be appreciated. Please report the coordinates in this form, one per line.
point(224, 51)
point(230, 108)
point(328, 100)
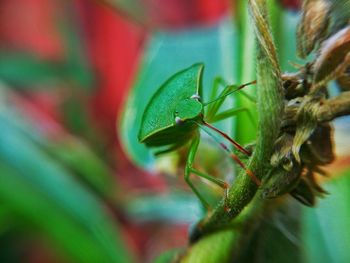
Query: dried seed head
point(344, 80)
point(281, 181)
point(282, 149)
point(293, 85)
point(319, 150)
point(306, 122)
point(304, 193)
point(313, 25)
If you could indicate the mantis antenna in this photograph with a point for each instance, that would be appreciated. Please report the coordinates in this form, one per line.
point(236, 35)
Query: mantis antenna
point(232, 155)
point(228, 93)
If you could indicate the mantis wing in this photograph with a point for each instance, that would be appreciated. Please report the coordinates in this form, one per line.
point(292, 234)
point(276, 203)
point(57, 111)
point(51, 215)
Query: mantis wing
point(159, 114)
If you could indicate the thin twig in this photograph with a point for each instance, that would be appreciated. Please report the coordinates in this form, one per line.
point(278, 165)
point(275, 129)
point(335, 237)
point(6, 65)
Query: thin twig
point(335, 107)
point(329, 110)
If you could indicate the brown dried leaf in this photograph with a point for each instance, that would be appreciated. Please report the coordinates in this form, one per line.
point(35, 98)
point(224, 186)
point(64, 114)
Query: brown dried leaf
point(339, 15)
point(333, 57)
point(306, 122)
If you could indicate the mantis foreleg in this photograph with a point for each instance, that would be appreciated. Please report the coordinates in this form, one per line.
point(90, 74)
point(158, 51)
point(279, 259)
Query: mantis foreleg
point(189, 170)
point(231, 113)
point(218, 98)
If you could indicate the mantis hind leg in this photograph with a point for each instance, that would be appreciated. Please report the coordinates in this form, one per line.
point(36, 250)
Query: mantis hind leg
point(241, 164)
point(231, 153)
point(190, 170)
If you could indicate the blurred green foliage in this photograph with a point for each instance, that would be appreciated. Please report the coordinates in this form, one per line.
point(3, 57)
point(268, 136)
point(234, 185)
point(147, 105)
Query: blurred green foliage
point(40, 191)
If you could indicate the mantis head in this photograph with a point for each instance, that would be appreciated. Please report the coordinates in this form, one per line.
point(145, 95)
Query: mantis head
point(188, 109)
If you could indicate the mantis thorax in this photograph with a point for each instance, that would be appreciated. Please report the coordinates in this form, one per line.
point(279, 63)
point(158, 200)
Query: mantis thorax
point(188, 109)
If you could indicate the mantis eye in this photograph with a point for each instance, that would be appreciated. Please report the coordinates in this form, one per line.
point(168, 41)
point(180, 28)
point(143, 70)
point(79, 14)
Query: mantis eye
point(195, 97)
point(178, 120)
point(188, 109)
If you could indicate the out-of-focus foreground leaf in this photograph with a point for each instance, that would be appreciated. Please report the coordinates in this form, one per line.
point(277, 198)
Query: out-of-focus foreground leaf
point(76, 156)
point(42, 193)
point(70, 151)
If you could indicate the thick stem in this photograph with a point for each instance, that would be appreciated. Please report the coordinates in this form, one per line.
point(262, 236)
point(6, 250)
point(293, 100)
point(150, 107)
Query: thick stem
point(270, 107)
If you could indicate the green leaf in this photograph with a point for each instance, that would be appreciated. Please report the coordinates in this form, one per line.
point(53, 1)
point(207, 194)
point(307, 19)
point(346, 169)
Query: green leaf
point(246, 52)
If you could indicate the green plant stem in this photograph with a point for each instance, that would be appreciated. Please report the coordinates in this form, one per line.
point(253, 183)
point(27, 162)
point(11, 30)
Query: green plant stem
point(224, 245)
point(270, 106)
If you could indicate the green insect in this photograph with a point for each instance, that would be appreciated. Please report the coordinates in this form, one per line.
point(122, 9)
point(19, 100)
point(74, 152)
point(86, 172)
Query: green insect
point(175, 113)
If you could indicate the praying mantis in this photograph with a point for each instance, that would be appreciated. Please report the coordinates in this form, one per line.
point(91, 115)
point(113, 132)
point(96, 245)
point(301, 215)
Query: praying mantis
point(175, 114)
